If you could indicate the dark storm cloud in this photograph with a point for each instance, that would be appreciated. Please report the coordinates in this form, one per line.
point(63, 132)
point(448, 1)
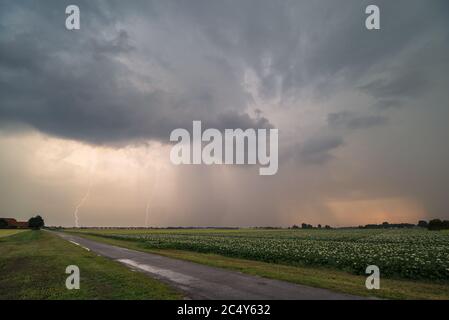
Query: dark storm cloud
point(80, 85)
point(135, 71)
point(406, 85)
point(352, 120)
point(318, 150)
point(399, 87)
point(138, 69)
point(311, 41)
point(385, 104)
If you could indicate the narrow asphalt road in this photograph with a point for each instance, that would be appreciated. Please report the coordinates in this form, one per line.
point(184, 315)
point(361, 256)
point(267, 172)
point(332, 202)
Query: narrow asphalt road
point(203, 282)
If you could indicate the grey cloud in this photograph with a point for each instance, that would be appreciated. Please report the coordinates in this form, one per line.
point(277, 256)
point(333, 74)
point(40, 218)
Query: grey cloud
point(116, 80)
point(304, 42)
point(119, 44)
point(317, 150)
point(82, 85)
point(384, 104)
point(243, 121)
point(401, 85)
point(136, 70)
point(352, 120)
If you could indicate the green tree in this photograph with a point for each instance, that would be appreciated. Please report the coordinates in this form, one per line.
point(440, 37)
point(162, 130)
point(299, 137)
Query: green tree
point(36, 222)
point(422, 224)
point(445, 224)
point(435, 224)
point(3, 224)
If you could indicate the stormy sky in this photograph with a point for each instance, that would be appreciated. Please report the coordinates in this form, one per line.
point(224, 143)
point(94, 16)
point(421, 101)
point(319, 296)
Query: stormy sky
point(362, 115)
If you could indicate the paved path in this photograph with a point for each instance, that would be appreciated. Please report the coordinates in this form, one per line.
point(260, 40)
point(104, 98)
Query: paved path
point(203, 282)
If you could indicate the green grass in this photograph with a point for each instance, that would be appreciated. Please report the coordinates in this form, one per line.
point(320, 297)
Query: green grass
point(9, 232)
point(33, 263)
point(315, 276)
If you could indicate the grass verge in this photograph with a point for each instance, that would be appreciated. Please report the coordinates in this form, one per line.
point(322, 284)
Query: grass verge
point(33, 263)
point(312, 276)
point(9, 232)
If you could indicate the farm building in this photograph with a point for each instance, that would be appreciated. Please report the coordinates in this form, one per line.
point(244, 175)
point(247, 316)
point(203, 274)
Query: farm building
point(14, 224)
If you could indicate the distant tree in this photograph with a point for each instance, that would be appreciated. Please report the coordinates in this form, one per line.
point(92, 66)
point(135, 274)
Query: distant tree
point(435, 224)
point(385, 224)
point(319, 226)
point(3, 224)
point(422, 224)
point(445, 224)
point(295, 226)
point(36, 222)
point(327, 227)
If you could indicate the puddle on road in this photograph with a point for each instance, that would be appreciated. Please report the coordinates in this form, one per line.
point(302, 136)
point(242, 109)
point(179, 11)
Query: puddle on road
point(164, 273)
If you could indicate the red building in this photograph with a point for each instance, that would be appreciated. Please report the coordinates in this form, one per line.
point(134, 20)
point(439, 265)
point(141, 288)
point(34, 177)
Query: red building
point(14, 224)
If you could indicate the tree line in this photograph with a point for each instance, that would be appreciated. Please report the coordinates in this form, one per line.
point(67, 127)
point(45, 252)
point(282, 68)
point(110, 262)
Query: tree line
point(432, 225)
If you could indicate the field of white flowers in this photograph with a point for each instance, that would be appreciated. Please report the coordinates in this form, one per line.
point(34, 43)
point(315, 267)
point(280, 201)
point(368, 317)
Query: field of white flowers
point(405, 253)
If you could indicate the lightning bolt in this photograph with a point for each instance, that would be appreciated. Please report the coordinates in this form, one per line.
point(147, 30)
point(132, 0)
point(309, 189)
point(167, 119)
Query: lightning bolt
point(86, 196)
point(80, 204)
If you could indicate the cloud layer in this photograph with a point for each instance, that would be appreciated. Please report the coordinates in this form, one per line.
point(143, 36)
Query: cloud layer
point(362, 114)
